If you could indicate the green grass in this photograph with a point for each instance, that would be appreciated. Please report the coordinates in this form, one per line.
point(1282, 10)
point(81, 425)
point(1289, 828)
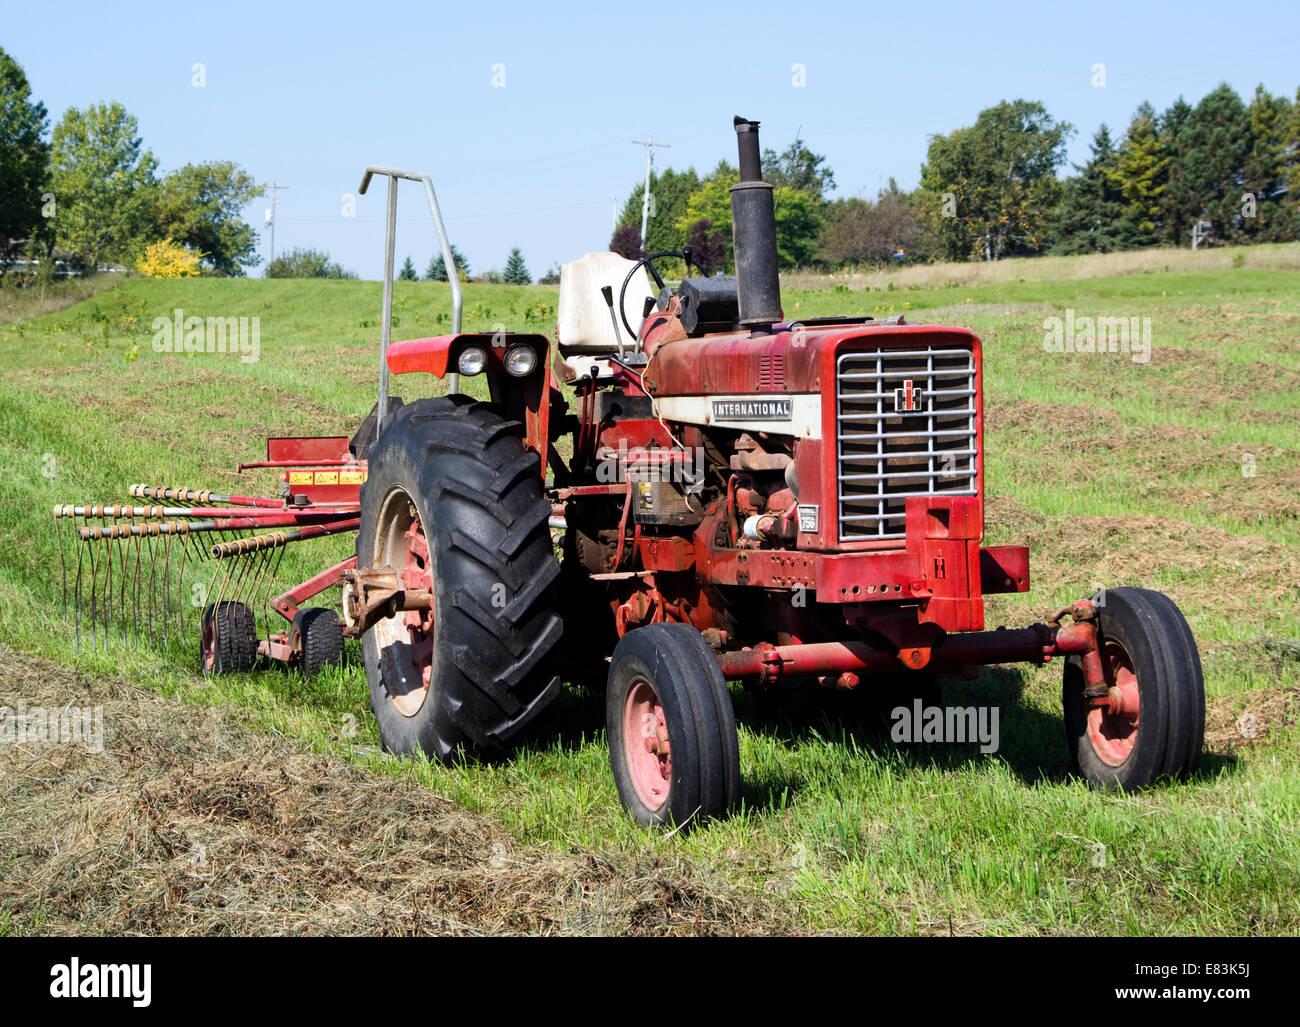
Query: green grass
point(1115, 472)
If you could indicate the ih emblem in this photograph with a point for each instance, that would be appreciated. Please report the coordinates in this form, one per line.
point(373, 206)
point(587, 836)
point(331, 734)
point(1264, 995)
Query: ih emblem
point(907, 398)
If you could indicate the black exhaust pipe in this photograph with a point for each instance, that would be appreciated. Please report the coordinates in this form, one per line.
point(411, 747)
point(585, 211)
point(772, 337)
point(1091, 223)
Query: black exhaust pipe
point(753, 221)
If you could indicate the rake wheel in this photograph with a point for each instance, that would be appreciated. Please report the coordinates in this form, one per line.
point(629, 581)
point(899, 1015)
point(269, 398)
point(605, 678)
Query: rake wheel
point(228, 639)
point(321, 637)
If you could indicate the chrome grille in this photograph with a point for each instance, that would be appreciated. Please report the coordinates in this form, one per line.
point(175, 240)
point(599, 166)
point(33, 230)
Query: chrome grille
point(888, 452)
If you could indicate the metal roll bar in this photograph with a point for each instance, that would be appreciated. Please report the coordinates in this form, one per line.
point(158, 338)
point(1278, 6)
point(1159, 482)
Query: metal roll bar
point(453, 379)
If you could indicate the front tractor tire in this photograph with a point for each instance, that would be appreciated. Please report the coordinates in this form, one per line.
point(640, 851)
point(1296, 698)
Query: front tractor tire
point(454, 503)
point(1151, 725)
point(671, 728)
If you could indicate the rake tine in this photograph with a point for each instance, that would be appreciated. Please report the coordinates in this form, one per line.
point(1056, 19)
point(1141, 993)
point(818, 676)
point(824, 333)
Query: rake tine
point(180, 592)
point(153, 566)
point(92, 601)
point(135, 605)
point(60, 537)
point(108, 590)
point(76, 604)
point(121, 597)
point(165, 586)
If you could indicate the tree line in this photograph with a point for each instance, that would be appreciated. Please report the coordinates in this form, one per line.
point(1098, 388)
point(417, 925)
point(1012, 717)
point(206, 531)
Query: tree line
point(1224, 169)
point(88, 194)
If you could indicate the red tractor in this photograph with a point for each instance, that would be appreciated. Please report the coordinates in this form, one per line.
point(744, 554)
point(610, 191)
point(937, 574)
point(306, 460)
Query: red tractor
point(742, 497)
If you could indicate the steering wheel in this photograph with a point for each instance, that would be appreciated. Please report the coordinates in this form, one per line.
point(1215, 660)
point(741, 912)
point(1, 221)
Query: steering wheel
point(683, 254)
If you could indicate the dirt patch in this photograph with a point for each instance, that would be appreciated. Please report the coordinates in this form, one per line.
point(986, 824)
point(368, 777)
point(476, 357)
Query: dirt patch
point(1236, 576)
point(190, 823)
point(1247, 719)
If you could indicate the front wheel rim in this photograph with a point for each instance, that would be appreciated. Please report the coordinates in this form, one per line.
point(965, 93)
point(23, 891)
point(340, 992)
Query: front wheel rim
point(646, 749)
point(1113, 725)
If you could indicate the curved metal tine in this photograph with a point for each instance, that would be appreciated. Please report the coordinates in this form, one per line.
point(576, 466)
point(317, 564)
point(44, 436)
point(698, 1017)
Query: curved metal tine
point(92, 599)
point(135, 604)
point(108, 581)
point(153, 569)
point(266, 601)
point(126, 569)
point(60, 534)
point(165, 589)
point(76, 603)
point(180, 588)
point(257, 589)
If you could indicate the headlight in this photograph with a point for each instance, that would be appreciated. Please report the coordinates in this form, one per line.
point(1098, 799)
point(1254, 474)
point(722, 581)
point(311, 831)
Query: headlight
point(472, 360)
point(520, 360)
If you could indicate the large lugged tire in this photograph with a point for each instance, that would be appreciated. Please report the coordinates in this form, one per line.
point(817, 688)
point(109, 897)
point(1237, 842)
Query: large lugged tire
point(1155, 727)
point(227, 638)
point(671, 728)
point(454, 502)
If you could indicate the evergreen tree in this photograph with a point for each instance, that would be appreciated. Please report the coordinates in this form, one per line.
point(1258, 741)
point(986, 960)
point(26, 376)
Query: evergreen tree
point(671, 191)
point(437, 269)
point(516, 273)
point(407, 273)
point(1264, 173)
point(1140, 172)
point(1091, 217)
point(1216, 144)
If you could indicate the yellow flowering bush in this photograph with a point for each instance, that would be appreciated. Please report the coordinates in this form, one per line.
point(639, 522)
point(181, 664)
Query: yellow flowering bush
point(167, 259)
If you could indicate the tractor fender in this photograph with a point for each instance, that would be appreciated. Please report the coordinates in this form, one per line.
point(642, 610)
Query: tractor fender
point(437, 354)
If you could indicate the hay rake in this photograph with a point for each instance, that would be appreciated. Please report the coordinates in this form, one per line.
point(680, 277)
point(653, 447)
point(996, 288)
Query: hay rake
point(129, 572)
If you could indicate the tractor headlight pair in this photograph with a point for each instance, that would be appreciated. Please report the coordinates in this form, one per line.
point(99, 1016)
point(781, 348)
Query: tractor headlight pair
point(519, 360)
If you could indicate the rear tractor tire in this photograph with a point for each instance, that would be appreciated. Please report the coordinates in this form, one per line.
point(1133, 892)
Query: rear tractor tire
point(227, 639)
point(671, 728)
point(1153, 724)
point(453, 502)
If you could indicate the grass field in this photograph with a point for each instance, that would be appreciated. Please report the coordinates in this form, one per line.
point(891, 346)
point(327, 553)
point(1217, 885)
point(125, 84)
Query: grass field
point(1181, 473)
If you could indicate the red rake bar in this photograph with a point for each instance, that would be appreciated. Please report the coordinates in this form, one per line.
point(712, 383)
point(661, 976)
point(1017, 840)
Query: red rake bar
point(182, 495)
point(275, 539)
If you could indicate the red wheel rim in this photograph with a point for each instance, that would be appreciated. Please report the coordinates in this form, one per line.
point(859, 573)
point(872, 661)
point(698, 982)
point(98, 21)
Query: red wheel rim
point(1113, 723)
point(400, 540)
point(208, 644)
point(646, 748)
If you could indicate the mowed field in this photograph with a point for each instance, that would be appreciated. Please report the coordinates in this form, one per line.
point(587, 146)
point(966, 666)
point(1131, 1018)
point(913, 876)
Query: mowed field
point(259, 803)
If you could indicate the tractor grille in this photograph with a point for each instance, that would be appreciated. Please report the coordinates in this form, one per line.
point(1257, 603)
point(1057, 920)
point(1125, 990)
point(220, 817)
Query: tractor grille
point(905, 426)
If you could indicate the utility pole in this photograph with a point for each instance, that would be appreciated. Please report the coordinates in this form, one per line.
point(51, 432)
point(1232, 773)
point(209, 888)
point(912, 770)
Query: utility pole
point(649, 145)
point(270, 215)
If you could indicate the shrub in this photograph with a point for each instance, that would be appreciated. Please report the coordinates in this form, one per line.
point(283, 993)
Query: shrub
point(168, 259)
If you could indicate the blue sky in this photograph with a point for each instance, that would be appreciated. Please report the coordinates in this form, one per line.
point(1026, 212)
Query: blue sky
point(310, 94)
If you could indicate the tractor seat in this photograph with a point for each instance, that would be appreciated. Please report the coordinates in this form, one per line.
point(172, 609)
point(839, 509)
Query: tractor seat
point(583, 323)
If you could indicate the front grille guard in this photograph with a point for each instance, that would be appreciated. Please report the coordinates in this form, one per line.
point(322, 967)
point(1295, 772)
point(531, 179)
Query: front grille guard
point(886, 454)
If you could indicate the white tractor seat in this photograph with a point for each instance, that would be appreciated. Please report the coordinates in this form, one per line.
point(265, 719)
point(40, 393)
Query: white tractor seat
point(583, 325)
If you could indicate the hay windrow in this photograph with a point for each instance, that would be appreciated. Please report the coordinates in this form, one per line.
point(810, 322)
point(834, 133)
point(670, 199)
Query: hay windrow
point(190, 823)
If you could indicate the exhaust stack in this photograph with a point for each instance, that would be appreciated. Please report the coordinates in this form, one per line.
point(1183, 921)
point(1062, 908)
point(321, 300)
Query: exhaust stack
point(753, 219)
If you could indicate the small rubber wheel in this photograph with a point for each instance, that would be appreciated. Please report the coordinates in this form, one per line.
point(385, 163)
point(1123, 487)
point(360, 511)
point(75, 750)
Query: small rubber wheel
point(671, 728)
point(1151, 725)
point(227, 639)
point(320, 638)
